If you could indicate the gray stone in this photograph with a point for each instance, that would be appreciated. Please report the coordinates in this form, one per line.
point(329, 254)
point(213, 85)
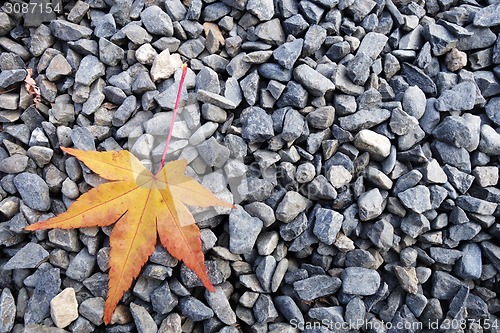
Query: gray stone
point(255, 189)
point(371, 204)
point(344, 83)
point(433, 173)
point(20, 132)
point(220, 306)
point(444, 285)
point(415, 224)
point(208, 80)
point(9, 102)
point(7, 24)
point(62, 113)
point(359, 258)
point(11, 46)
point(312, 12)
point(321, 118)
point(33, 190)
point(360, 9)
point(416, 198)
point(264, 310)
point(314, 39)
point(488, 16)
point(474, 125)
point(295, 96)
point(213, 153)
point(163, 300)
point(487, 82)
point(416, 77)
point(10, 77)
point(460, 180)
point(142, 319)
point(176, 10)
point(194, 309)
point(331, 314)
point(358, 68)
point(156, 21)
point(68, 31)
point(492, 108)
point(275, 72)
point(215, 11)
point(262, 9)
point(264, 272)
point(463, 232)
point(316, 286)
point(29, 256)
point(110, 53)
point(475, 205)
point(81, 266)
point(372, 44)
point(360, 281)
point(257, 125)
point(250, 87)
point(338, 51)
point(364, 119)
point(287, 54)
point(14, 164)
point(445, 256)
point(105, 26)
point(82, 138)
point(480, 38)
point(89, 70)
point(287, 307)
point(137, 34)
point(457, 157)
point(453, 130)
point(327, 224)
point(461, 97)
point(492, 252)
point(401, 123)
point(47, 284)
point(92, 309)
point(313, 81)
point(355, 312)
point(490, 141)
point(124, 111)
point(293, 229)
point(414, 102)
point(440, 38)
point(242, 236)
point(217, 100)
point(7, 311)
point(84, 46)
point(290, 206)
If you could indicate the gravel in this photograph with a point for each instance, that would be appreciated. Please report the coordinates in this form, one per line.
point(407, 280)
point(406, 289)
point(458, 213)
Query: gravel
point(359, 141)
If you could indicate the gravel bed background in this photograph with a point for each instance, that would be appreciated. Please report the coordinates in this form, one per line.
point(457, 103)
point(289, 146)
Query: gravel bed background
point(358, 138)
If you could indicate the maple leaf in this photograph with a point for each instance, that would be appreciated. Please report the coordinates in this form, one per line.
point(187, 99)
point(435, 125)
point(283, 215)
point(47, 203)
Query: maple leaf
point(143, 205)
point(32, 87)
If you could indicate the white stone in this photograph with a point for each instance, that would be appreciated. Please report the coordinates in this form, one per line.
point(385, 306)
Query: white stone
point(377, 145)
point(338, 176)
point(165, 65)
point(146, 54)
point(64, 308)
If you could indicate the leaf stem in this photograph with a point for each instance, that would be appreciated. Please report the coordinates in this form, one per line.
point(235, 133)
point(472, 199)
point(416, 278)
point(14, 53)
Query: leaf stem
point(176, 109)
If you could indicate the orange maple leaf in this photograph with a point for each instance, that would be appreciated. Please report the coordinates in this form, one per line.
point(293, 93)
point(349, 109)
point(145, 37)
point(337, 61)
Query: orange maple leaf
point(143, 205)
